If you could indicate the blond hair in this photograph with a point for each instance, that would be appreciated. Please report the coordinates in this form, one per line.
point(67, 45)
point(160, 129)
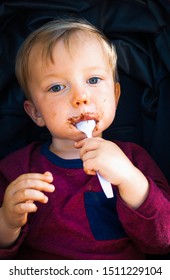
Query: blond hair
point(47, 35)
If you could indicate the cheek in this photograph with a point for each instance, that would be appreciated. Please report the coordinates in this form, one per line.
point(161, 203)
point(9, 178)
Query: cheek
point(51, 113)
point(109, 108)
point(54, 114)
point(109, 103)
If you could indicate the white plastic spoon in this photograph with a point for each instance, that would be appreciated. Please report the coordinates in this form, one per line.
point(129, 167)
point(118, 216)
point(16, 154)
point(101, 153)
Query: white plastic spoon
point(87, 127)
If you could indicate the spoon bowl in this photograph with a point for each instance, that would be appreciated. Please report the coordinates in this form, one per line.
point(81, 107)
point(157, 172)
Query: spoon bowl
point(87, 127)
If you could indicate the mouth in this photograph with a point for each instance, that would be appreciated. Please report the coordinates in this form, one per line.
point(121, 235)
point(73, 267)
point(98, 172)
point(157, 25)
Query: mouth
point(83, 117)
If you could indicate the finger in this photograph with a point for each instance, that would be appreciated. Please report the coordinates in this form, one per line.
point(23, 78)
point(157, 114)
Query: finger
point(88, 148)
point(26, 195)
point(39, 185)
point(80, 143)
point(85, 141)
point(89, 155)
point(32, 183)
point(46, 177)
point(90, 172)
point(23, 208)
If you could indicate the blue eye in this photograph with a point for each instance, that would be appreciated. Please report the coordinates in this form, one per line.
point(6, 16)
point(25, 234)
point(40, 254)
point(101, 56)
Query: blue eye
point(57, 88)
point(94, 80)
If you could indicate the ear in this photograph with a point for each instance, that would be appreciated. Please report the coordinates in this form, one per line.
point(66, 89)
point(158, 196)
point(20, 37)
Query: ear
point(117, 92)
point(33, 113)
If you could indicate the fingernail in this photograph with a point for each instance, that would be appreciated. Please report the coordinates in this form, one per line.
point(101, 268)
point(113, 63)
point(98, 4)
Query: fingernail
point(47, 173)
point(45, 199)
point(52, 187)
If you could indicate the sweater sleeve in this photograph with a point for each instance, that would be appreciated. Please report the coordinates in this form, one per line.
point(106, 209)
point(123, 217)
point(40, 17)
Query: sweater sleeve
point(149, 225)
point(11, 252)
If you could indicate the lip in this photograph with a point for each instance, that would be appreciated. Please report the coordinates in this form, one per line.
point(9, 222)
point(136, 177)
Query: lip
point(83, 117)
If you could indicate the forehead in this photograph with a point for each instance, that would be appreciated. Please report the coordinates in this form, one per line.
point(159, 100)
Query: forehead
point(71, 42)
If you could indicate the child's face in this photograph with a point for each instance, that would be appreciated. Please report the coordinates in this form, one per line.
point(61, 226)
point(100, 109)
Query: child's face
point(77, 85)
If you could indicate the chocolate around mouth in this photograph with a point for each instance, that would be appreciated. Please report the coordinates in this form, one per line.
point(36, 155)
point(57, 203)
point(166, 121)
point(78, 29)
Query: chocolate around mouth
point(83, 117)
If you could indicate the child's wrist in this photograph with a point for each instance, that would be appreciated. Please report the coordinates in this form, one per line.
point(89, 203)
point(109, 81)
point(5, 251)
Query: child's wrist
point(8, 233)
point(134, 190)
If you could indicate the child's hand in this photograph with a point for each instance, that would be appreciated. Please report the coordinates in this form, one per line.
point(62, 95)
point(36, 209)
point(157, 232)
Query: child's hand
point(20, 196)
point(105, 157)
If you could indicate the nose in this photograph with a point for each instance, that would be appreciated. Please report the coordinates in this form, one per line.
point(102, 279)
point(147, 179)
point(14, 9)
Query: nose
point(80, 98)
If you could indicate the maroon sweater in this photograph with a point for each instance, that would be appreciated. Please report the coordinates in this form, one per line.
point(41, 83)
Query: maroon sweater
point(79, 222)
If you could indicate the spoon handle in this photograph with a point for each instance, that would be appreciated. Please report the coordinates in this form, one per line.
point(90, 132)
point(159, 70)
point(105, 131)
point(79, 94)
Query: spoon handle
point(106, 186)
point(87, 127)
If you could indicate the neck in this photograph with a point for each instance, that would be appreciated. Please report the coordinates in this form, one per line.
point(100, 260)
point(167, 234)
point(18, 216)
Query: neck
point(64, 149)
